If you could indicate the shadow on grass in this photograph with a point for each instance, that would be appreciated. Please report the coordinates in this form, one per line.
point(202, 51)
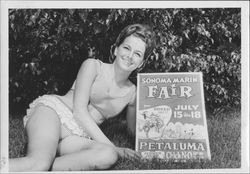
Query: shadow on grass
point(224, 136)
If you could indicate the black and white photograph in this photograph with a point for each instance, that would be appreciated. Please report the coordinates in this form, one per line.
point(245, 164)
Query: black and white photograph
point(124, 86)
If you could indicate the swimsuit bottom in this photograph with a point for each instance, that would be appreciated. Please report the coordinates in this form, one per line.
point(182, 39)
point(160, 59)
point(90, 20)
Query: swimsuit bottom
point(63, 111)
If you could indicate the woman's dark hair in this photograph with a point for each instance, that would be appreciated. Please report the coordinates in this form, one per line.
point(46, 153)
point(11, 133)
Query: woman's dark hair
point(142, 31)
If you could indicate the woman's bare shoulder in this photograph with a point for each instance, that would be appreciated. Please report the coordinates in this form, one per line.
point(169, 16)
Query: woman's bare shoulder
point(92, 64)
point(97, 63)
point(131, 85)
point(91, 61)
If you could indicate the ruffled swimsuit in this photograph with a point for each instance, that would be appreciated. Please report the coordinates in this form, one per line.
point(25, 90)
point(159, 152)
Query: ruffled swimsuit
point(103, 103)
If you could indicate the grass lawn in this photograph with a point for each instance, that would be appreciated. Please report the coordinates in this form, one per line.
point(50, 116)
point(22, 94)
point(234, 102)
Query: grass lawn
point(224, 135)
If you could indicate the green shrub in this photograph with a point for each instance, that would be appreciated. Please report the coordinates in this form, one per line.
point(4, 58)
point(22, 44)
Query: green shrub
point(47, 47)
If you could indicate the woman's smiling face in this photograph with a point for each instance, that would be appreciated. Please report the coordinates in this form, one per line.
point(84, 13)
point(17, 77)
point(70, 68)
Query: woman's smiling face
point(130, 54)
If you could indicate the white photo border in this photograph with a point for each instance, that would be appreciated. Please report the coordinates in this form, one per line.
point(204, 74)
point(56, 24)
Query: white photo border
point(4, 107)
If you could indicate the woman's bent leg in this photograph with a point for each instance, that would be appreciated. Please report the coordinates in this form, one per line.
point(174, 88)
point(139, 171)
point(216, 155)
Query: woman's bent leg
point(43, 130)
point(83, 154)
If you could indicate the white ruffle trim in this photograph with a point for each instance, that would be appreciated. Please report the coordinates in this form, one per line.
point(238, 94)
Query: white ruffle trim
point(64, 113)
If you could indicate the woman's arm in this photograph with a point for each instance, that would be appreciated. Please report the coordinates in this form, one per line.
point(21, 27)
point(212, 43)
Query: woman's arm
point(84, 81)
point(131, 118)
point(131, 125)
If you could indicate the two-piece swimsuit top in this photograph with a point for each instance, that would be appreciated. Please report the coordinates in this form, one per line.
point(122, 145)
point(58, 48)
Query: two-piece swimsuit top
point(103, 103)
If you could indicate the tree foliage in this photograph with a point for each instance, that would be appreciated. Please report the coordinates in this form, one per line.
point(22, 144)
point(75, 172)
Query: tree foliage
point(47, 47)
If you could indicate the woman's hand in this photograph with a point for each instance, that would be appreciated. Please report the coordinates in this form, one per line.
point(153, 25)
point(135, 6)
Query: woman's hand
point(128, 153)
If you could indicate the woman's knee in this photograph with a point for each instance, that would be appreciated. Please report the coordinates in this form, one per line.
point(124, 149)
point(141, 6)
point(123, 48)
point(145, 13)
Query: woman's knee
point(40, 164)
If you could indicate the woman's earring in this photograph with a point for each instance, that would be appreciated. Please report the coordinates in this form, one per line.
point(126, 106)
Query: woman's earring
point(115, 51)
point(140, 67)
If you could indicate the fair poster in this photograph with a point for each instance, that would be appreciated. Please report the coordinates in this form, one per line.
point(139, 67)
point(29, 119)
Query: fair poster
point(171, 119)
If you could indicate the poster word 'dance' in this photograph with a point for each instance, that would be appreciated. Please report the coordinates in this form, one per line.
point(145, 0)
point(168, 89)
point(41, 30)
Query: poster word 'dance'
point(171, 120)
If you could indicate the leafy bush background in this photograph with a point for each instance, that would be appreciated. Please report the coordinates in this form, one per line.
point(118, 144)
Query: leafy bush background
point(47, 47)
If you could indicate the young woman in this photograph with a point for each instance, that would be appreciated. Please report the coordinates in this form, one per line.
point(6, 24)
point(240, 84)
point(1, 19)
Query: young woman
point(63, 131)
